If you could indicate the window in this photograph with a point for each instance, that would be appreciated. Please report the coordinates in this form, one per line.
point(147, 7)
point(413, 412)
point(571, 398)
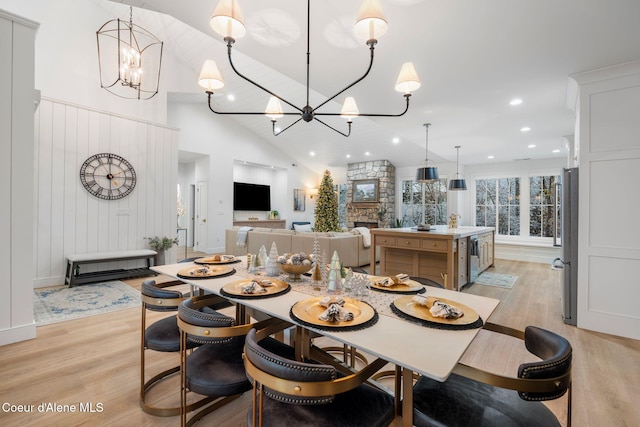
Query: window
point(542, 210)
point(498, 205)
point(424, 203)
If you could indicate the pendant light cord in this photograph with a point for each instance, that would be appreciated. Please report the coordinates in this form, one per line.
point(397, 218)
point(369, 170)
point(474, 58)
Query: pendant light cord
point(426, 154)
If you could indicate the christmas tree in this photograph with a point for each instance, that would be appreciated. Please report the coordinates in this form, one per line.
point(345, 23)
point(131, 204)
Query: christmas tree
point(326, 213)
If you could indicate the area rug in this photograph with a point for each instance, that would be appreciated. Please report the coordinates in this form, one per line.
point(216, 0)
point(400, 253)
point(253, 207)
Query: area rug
point(496, 279)
point(59, 303)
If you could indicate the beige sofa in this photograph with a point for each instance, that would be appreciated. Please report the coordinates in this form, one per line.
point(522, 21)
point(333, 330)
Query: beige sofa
point(349, 245)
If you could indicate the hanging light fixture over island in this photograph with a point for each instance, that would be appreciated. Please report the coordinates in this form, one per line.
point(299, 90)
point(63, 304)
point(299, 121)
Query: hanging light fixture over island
point(427, 173)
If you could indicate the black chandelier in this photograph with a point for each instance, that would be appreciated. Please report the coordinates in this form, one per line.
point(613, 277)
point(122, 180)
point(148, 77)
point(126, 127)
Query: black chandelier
point(227, 20)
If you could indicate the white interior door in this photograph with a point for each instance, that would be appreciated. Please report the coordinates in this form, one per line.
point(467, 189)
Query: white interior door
point(201, 216)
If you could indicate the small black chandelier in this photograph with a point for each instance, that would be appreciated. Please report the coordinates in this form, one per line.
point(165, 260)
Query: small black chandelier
point(129, 58)
point(227, 20)
point(427, 173)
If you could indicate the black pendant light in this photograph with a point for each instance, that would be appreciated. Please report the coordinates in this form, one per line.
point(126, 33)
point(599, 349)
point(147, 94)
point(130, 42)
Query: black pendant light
point(457, 184)
point(427, 173)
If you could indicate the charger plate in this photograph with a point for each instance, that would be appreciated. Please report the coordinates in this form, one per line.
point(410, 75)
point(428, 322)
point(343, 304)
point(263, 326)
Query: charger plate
point(211, 260)
point(234, 289)
point(407, 308)
point(308, 310)
point(411, 287)
point(192, 273)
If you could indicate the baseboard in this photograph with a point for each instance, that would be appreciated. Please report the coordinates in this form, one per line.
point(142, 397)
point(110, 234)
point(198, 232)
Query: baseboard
point(529, 253)
point(48, 281)
point(17, 334)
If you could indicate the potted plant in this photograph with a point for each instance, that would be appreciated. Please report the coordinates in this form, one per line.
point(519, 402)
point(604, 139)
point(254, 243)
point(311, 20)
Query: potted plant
point(274, 215)
point(160, 245)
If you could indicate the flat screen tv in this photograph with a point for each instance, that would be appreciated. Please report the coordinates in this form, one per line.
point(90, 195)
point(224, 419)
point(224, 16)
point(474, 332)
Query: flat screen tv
point(251, 197)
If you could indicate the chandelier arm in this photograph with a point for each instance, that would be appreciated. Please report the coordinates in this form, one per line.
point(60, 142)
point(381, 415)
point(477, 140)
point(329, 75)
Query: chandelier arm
point(406, 95)
point(336, 130)
point(233, 67)
point(246, 113)
point(355, 82)
point(273, 126)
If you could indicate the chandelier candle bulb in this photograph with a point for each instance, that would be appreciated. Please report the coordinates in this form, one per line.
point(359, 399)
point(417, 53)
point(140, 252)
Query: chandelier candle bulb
point(408, 79)
point(227, 20)
point(371, 23)
point(349, 109)
point(210, 77)
point(274, 109)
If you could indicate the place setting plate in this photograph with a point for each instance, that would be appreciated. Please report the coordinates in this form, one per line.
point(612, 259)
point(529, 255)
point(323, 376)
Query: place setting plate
point(234, 289)
point(200, 273)
point(404, 306)
point(307, 312)
point(217, 259)
point(410, 287)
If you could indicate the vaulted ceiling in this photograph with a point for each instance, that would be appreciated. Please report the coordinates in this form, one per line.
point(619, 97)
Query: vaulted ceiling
point(473, 57)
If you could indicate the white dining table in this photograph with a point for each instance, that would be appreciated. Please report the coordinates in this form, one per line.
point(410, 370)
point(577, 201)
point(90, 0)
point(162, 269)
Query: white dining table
point(411, 346)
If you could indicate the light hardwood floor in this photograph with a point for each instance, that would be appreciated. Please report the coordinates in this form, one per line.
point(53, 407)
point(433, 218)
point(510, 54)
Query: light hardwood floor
point(95, 360)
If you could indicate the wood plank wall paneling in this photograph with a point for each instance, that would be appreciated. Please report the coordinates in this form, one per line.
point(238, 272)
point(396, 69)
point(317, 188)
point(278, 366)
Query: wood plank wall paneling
point(5, 168)
point(68, 219)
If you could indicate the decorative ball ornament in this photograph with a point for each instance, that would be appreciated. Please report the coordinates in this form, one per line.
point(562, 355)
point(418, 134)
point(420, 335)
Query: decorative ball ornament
point(108, 176)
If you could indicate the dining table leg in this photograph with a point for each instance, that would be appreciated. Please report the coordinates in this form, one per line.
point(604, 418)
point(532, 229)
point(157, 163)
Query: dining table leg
point(302, 343)
point(407, 397)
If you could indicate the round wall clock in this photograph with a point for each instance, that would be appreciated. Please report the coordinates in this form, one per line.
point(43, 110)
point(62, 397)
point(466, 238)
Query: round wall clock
point(108, 176)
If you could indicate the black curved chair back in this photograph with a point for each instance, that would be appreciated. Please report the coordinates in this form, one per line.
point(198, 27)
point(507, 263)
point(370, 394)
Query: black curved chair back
point(283, 367)
point(555, 352)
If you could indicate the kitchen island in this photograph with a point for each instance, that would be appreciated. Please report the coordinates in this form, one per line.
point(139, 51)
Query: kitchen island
point(442, 254)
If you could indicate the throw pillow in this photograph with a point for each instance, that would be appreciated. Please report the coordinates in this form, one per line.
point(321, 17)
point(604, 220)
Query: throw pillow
point(302, 227)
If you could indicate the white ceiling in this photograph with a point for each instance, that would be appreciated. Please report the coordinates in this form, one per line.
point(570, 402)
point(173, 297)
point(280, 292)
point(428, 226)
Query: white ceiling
point(473, 57)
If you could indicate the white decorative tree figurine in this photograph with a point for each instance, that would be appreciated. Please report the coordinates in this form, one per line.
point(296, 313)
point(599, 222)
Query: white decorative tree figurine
point(262, 258)
point(334, 285)
point(272, 269)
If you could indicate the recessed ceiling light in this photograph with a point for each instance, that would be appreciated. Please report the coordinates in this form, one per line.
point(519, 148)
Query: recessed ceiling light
point(490, 157)
point(525, 129)
point(556, 151)
point(366, 153)
point(312, 153)
point(231, 97)
point(531, 145)
point(515, 101)
point(395, 140)
point(348, 156)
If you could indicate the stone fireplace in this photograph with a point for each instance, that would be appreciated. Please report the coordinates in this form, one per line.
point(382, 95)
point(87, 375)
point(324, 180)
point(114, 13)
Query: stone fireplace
point(375, 214)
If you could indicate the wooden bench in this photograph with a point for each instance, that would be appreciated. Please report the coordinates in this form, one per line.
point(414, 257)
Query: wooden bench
point(74, 277)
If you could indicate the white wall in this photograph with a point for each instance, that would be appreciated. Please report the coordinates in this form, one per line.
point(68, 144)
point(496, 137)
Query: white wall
point(17, 37)
point(609, 240)
point(225, 143)
point(70, 220)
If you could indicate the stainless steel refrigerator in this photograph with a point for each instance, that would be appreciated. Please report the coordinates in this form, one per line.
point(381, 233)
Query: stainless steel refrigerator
point(567, 196)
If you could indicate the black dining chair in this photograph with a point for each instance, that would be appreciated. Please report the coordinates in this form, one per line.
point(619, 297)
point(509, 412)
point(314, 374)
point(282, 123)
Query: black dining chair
point(308, 393)
point(163, 336)
point(473, 397)
point(214, 369)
